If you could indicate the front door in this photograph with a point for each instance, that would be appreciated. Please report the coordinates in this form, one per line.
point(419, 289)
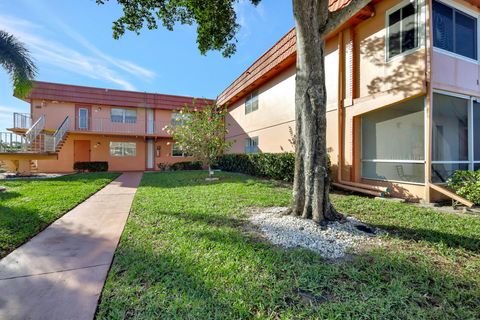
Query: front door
point(81, 150)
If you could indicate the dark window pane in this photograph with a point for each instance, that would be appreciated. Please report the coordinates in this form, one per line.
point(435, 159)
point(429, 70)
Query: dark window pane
point(442, 26)
point(476, 130)
point(394, 34)
point(409, 32)
point(441, 172)
point(465, 35)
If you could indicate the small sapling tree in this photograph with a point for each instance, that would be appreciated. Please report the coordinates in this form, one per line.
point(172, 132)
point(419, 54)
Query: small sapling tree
point(200, 132)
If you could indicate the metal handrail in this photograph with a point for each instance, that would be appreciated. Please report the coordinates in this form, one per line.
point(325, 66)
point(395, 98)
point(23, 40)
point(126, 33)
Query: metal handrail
point(59, 135)
point(35, 130)
point(106, 125)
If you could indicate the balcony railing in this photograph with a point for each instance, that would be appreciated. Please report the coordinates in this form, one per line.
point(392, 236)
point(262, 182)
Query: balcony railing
point(12, 142)
point(106, 125)
point(22, 120)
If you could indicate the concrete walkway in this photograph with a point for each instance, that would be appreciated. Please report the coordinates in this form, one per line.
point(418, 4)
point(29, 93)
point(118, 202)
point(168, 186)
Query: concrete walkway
point(59, 274)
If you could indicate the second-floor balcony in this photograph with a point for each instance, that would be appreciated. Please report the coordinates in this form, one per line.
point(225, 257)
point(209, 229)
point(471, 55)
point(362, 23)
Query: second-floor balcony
point(23, 122)
point(107, 126)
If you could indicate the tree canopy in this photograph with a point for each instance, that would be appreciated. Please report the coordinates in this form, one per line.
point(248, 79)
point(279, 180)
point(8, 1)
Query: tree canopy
point(15, 58)
point(216, 20)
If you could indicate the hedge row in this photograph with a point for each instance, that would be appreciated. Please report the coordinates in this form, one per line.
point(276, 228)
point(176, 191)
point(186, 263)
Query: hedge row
point(466, 184)
point(92, 166)
point(278, 166)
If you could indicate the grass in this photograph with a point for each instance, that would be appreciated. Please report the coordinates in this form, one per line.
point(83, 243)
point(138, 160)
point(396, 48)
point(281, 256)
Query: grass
point(28, 206)
point(185, 254)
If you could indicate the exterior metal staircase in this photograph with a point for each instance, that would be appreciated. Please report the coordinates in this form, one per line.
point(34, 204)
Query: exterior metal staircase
point(35, 141)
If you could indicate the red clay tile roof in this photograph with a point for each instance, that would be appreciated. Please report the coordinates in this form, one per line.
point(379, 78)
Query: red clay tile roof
point(281, 56)
point(272, 62)
point(89, 95)
point(334, 5)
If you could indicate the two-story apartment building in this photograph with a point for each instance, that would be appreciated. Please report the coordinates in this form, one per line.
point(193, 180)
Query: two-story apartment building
point(125, 129)
point(402, 80)
point(403, 109)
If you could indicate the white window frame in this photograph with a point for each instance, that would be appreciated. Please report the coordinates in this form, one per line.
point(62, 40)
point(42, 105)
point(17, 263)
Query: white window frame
point(251, 98)
point(122, 145)
point(419, 25)
point(248, 145)
point(469, 12)
point(124, 114)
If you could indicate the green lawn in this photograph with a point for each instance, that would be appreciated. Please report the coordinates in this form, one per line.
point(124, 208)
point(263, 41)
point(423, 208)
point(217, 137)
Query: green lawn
point(28, 206)
point(186, 254)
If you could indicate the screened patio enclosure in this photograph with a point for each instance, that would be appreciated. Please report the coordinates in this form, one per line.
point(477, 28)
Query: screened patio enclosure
point(455, 134)
point(393, 139)
point(393, 143)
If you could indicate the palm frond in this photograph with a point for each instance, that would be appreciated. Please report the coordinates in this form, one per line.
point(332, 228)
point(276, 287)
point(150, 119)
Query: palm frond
point(15, 58)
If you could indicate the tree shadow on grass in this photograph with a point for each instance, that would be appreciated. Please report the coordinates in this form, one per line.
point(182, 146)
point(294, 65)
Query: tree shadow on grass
point(433, 237)
point(214, 272)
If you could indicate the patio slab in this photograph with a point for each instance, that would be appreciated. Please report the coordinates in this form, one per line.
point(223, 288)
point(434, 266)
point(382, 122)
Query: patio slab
point(59, 274)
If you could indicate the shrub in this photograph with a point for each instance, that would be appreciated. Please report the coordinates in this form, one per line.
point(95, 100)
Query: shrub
point(466, 184)
point(92, 166)
point(278, 166)
point(186, 165)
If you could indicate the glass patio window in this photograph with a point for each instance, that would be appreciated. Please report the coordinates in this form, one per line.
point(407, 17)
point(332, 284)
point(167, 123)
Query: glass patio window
point(454, 30)
point(251, 103)
point(251, 145)
point(450, 136)
point(402, 29)
point(393, 143)
point(121, 115)
point(123, 149)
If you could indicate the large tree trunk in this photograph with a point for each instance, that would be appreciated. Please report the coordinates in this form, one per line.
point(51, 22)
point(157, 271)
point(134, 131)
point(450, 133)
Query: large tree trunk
point(312, 182)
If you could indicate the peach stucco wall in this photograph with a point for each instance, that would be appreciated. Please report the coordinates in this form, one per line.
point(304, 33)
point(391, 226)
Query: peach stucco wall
point(370, 83)
point(56, 112)
point(272, 120)
point(100, 151)
point(454, 73)
point(374, 73)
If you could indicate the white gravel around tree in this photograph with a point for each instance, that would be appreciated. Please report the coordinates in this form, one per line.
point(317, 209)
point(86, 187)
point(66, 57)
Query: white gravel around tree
point(332, 241)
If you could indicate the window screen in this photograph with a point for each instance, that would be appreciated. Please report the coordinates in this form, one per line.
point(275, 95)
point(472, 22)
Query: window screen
point(393, 145)
point(450, 128)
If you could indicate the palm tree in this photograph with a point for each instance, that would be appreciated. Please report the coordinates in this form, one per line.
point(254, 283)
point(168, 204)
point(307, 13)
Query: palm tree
point(15, 58)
